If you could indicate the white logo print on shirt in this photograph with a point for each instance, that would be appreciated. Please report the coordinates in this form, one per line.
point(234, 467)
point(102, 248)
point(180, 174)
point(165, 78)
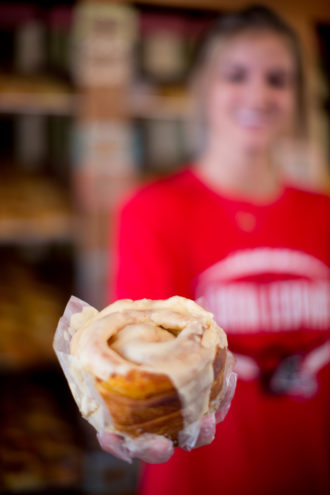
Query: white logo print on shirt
point(271, 290)
point(267, 289)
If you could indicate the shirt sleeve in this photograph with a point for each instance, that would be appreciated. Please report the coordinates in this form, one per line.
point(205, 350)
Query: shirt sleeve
point(144, 268)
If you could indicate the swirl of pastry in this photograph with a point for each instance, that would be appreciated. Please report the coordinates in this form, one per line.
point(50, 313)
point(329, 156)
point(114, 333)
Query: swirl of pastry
point(158, 365)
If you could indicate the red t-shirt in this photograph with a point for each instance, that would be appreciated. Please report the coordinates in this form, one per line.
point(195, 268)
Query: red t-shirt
point(263, 271)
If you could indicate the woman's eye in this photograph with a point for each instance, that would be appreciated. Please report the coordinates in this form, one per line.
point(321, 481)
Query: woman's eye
point(278, 79)
point(235, 77)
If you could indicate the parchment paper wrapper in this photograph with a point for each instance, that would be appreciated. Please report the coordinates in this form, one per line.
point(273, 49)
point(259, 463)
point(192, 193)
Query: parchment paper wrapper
point(90, 402)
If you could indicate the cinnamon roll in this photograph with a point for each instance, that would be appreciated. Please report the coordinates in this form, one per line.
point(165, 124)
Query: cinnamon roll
point(159, 366)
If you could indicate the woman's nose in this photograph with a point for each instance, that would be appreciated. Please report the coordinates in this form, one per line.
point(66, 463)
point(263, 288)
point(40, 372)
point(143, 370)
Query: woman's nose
point(258, 94)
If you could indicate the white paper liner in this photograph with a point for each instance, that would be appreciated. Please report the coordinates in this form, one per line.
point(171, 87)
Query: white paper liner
point(81, 383)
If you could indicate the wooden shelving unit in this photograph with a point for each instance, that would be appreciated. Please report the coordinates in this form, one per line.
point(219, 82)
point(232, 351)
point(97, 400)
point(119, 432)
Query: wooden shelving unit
point(151, 105)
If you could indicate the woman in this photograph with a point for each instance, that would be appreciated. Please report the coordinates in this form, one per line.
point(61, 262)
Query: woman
point(230, 231)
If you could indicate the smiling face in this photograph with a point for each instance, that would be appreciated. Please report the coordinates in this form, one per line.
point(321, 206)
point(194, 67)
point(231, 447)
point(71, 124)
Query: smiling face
point(250, 92)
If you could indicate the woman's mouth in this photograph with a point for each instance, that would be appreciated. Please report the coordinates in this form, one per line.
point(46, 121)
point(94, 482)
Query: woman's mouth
point(252, 119)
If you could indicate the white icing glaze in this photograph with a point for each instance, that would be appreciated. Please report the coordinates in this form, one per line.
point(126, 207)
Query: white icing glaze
point(138, 342)
point(175, 337)
point(83, 318)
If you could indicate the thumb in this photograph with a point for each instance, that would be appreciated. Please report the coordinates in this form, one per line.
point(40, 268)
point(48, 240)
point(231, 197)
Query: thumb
point(115, 445)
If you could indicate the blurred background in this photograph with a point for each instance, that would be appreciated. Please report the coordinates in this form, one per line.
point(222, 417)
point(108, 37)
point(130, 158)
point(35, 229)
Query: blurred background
point(94, 100)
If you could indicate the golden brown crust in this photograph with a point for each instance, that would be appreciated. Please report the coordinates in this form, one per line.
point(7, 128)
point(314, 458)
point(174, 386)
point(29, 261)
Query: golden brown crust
point(145, 402)
point(169, 426)
point(137, 384)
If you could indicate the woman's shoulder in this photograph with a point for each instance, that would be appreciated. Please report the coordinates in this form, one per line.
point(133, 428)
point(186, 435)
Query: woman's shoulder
point(310, 198)
point(163, 191)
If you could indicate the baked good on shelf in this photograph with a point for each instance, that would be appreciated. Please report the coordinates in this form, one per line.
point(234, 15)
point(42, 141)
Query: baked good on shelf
point(29, 310)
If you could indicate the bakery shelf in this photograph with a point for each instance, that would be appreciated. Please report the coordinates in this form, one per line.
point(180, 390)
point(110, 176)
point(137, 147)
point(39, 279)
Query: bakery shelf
point(37, 230)
point(143, 105)
point(36, 94)
point(159, 107)
point(36, 283)
point(40, 443)
point(317, 8)
point(34, 208)
point(46, 448)
point(42, 103)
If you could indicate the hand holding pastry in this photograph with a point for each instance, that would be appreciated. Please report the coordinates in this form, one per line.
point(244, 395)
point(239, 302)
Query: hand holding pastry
point(157, 450)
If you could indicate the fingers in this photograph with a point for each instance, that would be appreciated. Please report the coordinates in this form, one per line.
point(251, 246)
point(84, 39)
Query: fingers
point(114, 444)
point(207, 431)
point(153, 449)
